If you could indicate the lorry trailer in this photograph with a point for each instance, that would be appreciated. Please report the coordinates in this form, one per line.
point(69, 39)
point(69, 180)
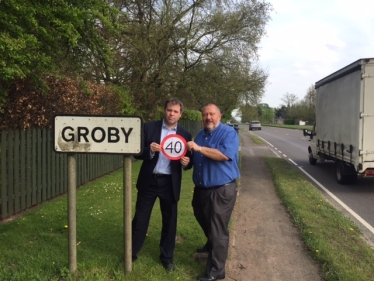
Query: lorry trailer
point(344, 127)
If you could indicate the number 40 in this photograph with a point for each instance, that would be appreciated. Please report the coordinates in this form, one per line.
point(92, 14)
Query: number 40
point(177, 147)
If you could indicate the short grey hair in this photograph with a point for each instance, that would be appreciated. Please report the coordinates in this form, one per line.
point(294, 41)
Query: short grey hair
point(211, 103)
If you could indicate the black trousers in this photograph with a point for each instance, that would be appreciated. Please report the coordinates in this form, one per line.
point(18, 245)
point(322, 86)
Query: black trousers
point(159, 188)
point(213, 209)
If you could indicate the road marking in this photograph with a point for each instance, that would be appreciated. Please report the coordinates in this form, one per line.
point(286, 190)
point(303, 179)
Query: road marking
point(341, 203)
point(337, 200)
point(268, 144)
point(276, 153)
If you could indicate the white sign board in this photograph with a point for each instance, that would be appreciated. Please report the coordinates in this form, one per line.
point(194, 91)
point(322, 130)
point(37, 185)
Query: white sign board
point(98, 134)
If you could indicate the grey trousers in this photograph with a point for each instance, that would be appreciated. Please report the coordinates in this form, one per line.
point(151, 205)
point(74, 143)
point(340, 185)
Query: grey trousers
point(213, 208)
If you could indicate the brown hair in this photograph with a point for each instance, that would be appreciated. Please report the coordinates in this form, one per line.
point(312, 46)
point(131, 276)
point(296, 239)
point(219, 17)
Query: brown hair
point(174, 101)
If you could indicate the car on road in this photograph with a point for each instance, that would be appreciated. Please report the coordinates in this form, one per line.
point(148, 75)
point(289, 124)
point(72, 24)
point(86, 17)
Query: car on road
point(255, 125)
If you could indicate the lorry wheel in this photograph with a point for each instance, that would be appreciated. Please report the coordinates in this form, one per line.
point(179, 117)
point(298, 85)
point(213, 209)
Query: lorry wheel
point(312, 160)
point(345, 173)
point(339, 172)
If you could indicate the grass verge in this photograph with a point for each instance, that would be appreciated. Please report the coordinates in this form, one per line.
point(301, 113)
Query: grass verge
point(256, 139)
point(332, 239)
point(35, 246)
point(296, 127)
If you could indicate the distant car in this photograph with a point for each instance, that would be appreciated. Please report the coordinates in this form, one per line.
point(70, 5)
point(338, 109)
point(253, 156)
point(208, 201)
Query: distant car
point(255, 125)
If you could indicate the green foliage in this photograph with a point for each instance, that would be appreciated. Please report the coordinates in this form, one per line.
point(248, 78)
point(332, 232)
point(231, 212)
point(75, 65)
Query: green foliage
point(41, 37)
point(227, 116)
point(266, 114)
point(191, 115)
point(298, 110)
point(248, 113)
point(31, 34)
point(159, 114)
point(188, 114)
point(281, 112)
point(126, 99)
point(289, 122)
point(169, 54)
point(154, 50)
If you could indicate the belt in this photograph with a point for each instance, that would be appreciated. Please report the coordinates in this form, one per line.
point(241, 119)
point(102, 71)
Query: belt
point(217, 186)
point(157, 176)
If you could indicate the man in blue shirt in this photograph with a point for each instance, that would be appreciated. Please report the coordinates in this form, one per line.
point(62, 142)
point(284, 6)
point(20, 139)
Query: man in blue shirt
point(215, 161)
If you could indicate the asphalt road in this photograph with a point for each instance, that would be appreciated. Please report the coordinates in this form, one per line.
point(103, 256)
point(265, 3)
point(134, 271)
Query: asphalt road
point(355, 200)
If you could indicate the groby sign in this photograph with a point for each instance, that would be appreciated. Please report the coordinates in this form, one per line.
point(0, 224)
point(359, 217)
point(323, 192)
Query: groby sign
point(98, 134)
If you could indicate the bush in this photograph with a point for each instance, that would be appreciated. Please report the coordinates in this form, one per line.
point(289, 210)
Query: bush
point(31, 107)
point(191, 115)
point(289, 122)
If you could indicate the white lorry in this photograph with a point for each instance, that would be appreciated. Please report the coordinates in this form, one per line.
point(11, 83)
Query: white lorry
point(344, 128)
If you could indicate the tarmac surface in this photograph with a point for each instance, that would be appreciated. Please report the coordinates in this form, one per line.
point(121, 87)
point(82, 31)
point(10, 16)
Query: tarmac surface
point(264, 243)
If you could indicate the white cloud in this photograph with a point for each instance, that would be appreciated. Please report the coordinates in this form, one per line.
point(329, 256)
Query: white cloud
point(308, 40)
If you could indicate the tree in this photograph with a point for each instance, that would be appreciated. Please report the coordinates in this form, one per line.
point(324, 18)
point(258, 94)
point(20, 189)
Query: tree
point(310, 96)
point(248, 113)
point(289, 100)
point(200, 51)
point(41, 37)
point(281, 112)
point(266, 114)
point(169, 45)
point(300, 110)
point(310, 104)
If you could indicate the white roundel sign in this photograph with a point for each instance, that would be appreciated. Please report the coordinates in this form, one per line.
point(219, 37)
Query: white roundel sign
point(174, 147)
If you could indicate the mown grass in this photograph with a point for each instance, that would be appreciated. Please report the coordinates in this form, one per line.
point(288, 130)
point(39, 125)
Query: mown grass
point(256, 139)
point(35, 246)
point(296, 127)
point(332, 239)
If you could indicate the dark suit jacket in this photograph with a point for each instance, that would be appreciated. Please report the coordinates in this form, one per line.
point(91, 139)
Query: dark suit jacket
point(152, 133)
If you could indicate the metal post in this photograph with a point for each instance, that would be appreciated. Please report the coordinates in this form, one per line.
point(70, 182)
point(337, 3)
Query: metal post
point(72, 213)
point(127, 206)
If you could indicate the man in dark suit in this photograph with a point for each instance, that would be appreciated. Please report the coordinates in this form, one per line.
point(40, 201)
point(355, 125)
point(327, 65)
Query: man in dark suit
point(160, 178)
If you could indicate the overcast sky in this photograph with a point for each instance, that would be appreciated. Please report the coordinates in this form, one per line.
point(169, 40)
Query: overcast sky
point(309, 39)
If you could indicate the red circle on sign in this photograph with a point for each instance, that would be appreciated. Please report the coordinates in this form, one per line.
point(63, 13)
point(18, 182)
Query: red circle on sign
point(174, 147)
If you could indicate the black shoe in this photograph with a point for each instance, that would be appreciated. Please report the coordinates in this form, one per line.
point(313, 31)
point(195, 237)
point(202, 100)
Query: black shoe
point(207, 277)
point(203, 249)
point(168, 266)
point(134, 258)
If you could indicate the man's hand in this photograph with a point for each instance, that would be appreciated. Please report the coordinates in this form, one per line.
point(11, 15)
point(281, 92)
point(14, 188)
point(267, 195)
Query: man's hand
point(192, 146)
point(185, 160)
point(155, 147)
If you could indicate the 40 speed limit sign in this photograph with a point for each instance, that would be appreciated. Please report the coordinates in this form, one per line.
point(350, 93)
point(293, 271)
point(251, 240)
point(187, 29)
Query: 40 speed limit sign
point(174, 147)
